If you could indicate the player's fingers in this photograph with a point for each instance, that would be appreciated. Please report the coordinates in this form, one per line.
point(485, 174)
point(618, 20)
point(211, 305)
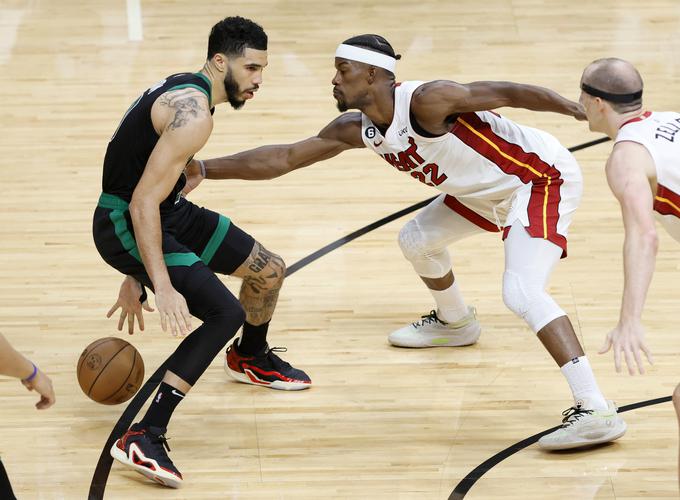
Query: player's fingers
point(44, 403)
point(113, 309)
point(648, 353)
point(147, 307)
point(606, 346)
point(173, 324)
point(617, 359)
point(163, 321)
point(140, 320)
point(186, 318)
point(629, 360)
point(181, 324)
point(121, 320)
point(131, 323)
point(638, 360)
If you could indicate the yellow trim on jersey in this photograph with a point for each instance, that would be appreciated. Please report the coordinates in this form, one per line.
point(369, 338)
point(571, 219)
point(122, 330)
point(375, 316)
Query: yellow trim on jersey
point(669, 202)
point(521, 164)
point(545, 211)
point(506, 156)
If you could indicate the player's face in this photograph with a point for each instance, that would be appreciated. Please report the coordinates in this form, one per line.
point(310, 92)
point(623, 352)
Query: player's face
point(244, 76)
point(349, 84)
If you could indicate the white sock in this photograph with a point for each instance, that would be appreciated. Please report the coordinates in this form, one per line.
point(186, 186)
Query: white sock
point(582, 382)
point(450, 304)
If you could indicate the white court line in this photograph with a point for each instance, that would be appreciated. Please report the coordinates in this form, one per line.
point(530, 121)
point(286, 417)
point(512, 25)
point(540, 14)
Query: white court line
point(134, 20)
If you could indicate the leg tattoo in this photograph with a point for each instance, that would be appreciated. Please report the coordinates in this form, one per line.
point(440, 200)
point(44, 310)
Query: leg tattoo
point(263, 273)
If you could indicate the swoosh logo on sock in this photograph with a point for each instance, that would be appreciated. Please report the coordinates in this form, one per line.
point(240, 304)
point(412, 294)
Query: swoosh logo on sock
point(178, 394)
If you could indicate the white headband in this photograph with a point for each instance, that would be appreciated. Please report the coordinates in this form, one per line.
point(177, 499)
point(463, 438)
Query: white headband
point(366, 56)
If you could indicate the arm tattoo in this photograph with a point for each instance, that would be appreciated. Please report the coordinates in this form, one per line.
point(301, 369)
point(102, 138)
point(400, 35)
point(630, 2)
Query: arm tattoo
point(185, 107)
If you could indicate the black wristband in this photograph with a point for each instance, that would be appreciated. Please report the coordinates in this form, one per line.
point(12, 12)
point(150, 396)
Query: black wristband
point(143, 296)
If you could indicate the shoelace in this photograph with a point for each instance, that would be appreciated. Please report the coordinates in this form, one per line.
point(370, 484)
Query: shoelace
point(275, 360)
point(160, 439)
point(428, 319)
point(571, 415)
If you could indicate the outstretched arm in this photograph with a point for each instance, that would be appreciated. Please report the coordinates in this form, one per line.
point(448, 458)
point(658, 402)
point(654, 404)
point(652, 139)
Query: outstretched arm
point(627, 174)
point(267, 162)
point(434, 102)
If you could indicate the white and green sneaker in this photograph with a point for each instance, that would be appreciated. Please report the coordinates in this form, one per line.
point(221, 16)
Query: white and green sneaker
point(584, 427)
point(430, 331)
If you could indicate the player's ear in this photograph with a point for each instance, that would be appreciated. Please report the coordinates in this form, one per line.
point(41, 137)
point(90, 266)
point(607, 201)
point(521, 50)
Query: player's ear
point(371, 74)
point(220, 61)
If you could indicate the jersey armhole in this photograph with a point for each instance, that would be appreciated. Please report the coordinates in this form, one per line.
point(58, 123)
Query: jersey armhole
point(649, 150)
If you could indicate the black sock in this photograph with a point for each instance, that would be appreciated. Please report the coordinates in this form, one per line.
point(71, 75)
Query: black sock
point(253, 339)
point(164, 403)
point(5, 486)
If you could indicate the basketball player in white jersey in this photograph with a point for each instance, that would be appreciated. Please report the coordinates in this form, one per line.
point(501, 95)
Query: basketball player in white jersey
point(643, 172)
point(494, 175)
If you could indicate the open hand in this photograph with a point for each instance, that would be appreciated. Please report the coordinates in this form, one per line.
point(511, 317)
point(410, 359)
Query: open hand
point(628, 339)
point(130, 306)
point(174, 311)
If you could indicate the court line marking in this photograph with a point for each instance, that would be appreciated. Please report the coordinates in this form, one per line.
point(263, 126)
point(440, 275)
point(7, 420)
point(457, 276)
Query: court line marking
point(103, 468)
point(463, 487)
point(134, 20)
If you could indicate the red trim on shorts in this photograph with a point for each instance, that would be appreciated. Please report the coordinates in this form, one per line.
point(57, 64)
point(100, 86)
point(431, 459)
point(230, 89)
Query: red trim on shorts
point(644, 115)
point(666, 202)
point(511, 159)
point(470, 215)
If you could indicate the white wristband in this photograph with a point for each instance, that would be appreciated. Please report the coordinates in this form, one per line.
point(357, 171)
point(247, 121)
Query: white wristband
point(203, 171)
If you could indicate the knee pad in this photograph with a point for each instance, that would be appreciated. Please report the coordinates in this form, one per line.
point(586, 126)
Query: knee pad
point(529, 301)
point(427, 257)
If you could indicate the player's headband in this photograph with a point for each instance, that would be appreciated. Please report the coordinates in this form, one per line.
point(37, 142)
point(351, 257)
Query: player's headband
point(620, 98)
point(366, 56)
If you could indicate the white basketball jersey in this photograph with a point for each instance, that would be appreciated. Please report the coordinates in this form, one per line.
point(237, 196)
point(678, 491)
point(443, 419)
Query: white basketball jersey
point(484, 156)
point(657, 132)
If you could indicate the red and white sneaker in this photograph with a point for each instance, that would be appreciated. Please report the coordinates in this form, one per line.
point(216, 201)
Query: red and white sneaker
point(265, 369)
point(143, 450)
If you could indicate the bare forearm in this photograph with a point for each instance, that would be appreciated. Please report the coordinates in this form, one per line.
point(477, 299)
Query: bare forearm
point(12, 362)
point(268, 162)
point(265, 162)
point(146, 221)
point(639, 257)
point(536, 98)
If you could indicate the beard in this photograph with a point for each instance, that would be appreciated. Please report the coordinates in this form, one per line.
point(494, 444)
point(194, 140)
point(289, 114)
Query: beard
point(342, 106)
point(232, 89)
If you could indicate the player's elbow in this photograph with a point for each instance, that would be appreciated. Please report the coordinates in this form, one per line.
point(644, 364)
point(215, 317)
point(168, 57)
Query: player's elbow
point(139, 207)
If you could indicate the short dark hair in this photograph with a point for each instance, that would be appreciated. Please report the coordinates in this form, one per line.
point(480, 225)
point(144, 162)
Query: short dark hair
point(375, 43)
point(232, 35)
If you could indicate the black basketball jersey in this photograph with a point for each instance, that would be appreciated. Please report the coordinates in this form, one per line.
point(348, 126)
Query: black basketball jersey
point(134, 140)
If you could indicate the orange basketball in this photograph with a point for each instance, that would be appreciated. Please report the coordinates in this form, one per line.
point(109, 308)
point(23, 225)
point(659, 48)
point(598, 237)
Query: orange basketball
point(110, 371)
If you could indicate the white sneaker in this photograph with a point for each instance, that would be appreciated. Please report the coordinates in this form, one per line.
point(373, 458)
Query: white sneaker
point(582, 427)
point(430, 331)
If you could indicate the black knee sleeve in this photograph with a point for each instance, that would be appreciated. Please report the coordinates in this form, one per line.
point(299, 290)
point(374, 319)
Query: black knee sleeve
point(222, 316)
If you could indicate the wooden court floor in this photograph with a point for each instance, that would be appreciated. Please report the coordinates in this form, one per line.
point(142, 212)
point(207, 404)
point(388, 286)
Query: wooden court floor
point(380, 422)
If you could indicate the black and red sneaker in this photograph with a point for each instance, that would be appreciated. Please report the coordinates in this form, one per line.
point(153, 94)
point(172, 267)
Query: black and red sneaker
point(265, 369)
point(143, 450)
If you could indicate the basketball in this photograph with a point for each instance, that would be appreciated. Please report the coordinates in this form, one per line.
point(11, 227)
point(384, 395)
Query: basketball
point(110, 371)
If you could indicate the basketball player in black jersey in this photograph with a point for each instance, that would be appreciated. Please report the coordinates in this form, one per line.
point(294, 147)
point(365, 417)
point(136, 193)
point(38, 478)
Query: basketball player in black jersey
point(146, 229)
